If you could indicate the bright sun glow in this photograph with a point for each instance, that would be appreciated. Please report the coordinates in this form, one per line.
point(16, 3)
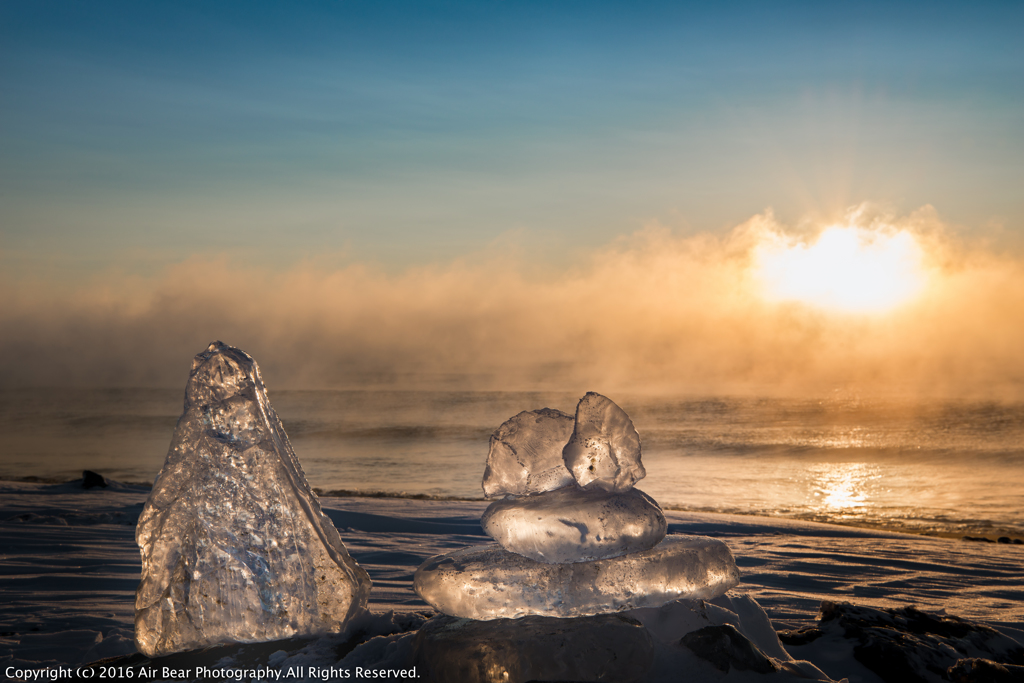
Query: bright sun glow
point(847, 269)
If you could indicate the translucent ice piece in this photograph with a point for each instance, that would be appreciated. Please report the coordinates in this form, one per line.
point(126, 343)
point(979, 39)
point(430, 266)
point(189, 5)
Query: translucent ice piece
point(234, 544)
point(609, 647)
point(526, 454)
point(604, 450)
point(488, 582)
point(576, 525)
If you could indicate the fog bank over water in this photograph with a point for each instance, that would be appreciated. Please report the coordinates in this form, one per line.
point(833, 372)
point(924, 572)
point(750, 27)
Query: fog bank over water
point(652, 312)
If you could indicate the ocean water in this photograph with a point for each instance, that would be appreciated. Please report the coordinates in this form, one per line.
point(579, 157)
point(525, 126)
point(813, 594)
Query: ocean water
point(937, 467)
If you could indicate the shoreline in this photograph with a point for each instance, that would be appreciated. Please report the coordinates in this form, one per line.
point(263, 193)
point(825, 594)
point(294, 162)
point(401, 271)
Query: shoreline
point(1001, 535)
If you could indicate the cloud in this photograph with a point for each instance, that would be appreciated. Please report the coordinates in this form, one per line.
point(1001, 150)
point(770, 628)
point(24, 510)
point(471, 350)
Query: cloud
point(651, 312)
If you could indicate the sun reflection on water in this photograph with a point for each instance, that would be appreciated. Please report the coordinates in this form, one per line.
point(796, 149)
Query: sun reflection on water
point(842, 486)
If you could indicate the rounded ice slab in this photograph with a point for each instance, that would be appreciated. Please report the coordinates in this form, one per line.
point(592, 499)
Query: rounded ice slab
point(488, 582)
point(575, 525)
point(526, 454)
point(604, 449)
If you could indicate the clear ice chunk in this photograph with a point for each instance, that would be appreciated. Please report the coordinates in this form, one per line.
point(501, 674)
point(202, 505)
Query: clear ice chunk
point(576, 525)
point(609, 647)
point(604, 449)
point(489, 582)
point(526, 454)
point(235, 547)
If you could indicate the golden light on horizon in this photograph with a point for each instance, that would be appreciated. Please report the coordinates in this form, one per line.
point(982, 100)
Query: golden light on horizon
point(847, 269)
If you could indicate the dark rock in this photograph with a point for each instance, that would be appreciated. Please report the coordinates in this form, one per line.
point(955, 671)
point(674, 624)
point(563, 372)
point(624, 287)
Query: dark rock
point(984, 671)
point(909, 646)
point(607, 647)
point(91, 480)
point(1001, 539)
point(801, 636)
point(725, 647)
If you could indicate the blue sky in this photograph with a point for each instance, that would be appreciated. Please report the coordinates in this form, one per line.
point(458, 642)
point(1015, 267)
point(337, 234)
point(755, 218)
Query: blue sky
point(354, 190)
point(133, 135)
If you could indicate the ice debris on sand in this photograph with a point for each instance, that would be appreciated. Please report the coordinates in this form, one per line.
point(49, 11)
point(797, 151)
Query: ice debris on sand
point(592, 546)
point(576, 544)
point(907, 644)
point(235, 547)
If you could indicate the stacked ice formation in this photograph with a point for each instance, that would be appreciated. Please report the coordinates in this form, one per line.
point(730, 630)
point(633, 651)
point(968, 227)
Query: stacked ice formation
point(234, 544)
point(574, 538)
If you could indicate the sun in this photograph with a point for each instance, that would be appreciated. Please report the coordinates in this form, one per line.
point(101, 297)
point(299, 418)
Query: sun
point(847, 269)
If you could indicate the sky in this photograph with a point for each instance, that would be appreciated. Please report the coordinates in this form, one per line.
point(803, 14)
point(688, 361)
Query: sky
point(518, 193)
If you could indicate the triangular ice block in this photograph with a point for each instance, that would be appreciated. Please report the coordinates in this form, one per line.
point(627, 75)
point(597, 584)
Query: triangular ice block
point(234, 545)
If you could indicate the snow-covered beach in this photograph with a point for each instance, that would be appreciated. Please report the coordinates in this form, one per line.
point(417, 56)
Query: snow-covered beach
point(70, 568)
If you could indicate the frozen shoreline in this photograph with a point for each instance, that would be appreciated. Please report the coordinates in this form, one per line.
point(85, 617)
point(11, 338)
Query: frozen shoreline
point(990, 534)
point(70, 565)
